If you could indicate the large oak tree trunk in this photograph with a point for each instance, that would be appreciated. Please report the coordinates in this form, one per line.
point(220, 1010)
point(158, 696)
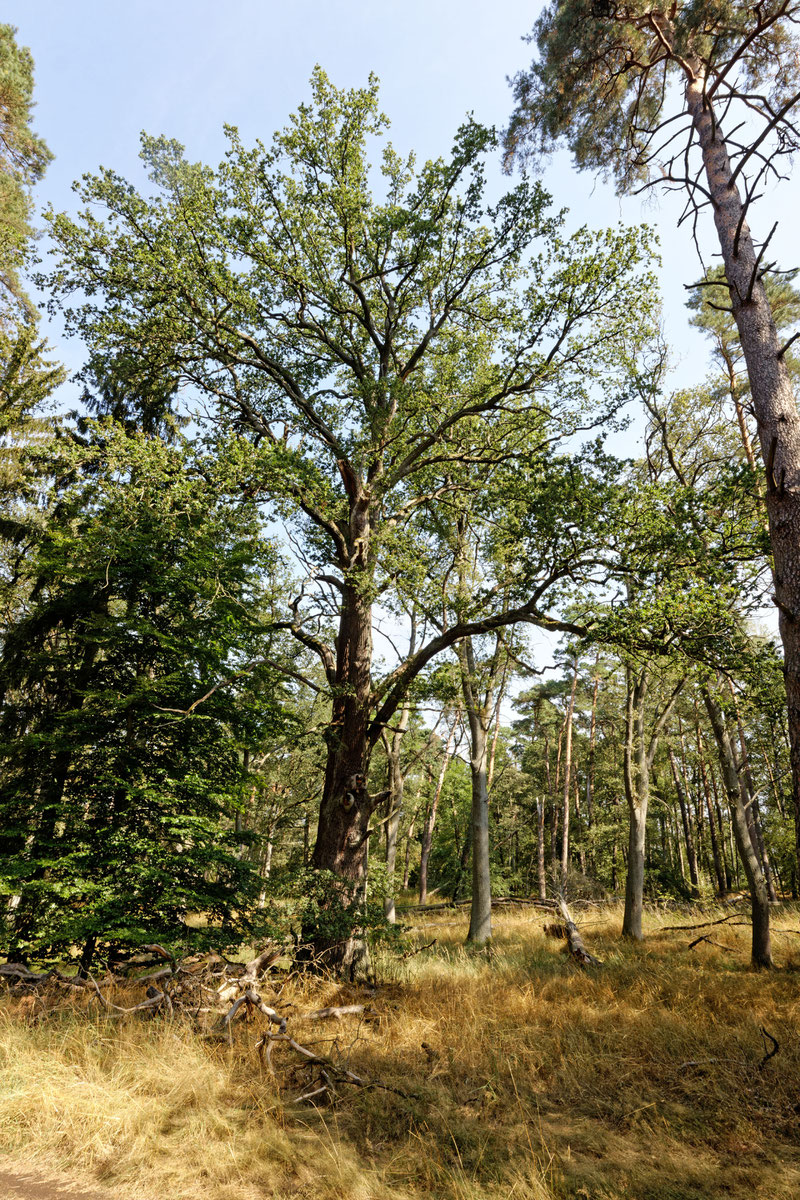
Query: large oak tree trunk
point(346, 807)
point(773, 398)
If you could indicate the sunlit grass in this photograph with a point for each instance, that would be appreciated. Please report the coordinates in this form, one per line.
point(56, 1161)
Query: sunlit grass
point(515, 1074)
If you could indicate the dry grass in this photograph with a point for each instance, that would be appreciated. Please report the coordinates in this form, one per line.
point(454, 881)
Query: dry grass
point(521, 1077)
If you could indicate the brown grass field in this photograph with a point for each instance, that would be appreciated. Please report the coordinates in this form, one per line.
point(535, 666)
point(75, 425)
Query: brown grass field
point(516, 1075)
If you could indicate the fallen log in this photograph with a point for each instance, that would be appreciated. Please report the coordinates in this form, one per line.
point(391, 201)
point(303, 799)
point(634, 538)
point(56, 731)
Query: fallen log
point(701, 924)
point(574, 939)
point(497, 902)
point(344, 1010)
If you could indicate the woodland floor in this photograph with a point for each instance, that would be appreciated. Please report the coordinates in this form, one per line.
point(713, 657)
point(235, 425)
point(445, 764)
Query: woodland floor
point(509, 1073)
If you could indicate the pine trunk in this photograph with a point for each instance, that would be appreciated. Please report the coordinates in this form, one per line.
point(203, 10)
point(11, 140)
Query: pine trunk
point(773, 399)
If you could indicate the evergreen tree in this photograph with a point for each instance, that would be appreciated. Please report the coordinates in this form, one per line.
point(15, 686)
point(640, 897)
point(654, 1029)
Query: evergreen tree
point(119, 787)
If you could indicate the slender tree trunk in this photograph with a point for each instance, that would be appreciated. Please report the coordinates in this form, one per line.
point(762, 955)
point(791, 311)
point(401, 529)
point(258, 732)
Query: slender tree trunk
point(710, 810)
point(615, 850)
point(463, 861)
point(675, 831)
point(579, 818)
point(755, 814)
point(409, 839)
point(590, 773)
point(567, 775)
point(723, 844)
point(761, 952)
point(270, 848)
point(430, 818)
point(691, 853)
point(480, 923)
point(554, 851)
point(638, 764)
point(637, 786)
point(541, 871)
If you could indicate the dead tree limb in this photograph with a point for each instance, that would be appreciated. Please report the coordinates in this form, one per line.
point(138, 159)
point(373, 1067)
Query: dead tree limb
point(769, 1053)
point(320, 1014)
point(574, 939)
point(706, 937)
point(701, 924)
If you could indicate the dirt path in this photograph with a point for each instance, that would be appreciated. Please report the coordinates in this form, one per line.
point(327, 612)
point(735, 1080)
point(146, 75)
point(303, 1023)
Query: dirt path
point(22, 1183)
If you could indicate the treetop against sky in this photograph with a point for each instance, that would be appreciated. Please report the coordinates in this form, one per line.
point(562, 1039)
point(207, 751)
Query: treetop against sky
point(106, 72)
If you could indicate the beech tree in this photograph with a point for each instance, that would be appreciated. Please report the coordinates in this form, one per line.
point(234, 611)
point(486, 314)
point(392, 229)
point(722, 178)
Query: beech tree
point(701, 98)
point(363, 347)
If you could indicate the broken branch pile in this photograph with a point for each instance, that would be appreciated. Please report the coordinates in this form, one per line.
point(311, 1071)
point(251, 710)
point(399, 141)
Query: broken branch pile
point(211, 992)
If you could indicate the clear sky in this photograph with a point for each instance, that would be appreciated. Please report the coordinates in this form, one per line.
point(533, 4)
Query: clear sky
point(106, 70)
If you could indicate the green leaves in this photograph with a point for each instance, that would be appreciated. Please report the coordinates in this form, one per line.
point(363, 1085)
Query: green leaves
point(151, 586)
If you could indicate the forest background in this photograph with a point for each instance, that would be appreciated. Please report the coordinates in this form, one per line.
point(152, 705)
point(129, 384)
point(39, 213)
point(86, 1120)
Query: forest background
point(168, 673)
point(102, 140)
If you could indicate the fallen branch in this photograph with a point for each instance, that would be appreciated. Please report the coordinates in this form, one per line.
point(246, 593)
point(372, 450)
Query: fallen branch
point(769, 1053)
point(419, 949)
point(340, 1074)
point(574, 939)
point(703, 924)
point(705, 937)
point(252, 999)
point(154, 948)
point(321, 1014)
point(497, 902)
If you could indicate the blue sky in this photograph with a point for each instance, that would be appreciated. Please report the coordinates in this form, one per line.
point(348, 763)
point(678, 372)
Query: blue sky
point(105, 71)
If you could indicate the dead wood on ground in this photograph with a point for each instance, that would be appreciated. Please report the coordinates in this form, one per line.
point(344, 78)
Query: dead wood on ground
point(574, 940)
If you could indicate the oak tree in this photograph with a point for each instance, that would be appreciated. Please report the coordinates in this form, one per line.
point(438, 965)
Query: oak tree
point(364, 346)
